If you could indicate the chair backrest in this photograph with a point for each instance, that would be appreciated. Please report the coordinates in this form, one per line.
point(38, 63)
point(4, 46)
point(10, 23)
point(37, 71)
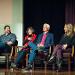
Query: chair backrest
point(15, 43)
point(73, 51)
point(68, 54)
point(13, 49)
point(69, 51)
point(43, 55)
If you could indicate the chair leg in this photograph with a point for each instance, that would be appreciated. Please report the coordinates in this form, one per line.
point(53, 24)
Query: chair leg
point(26, 59)
point(7, 59)
point(33, 66)
point(45, 66)
point(53, 66)
point(69, 63)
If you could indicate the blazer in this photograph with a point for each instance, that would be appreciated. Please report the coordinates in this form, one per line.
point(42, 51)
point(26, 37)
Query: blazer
point(49, 39)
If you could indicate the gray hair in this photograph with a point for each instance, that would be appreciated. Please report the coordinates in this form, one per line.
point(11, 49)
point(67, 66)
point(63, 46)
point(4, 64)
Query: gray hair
point(47, 25)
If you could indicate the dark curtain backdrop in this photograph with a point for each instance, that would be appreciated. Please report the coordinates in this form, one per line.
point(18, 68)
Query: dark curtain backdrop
point(70, 11)
point(37, 12)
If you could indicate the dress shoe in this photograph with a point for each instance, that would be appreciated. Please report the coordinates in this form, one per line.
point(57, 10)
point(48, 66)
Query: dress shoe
point(59, 65)
point(13, 65)
point(58, 70)
point(27, 69)
point(52, 58)
point(48, 57)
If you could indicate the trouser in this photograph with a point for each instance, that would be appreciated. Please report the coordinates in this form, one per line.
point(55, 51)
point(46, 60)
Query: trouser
point(4, 48)
point(20, 57)
point(32, 53)
point(57, 52)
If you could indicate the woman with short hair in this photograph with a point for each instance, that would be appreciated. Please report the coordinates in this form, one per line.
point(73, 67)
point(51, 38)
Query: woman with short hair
point(30, 37)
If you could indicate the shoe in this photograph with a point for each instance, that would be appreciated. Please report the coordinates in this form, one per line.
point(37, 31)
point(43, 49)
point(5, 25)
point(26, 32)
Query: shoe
point(11, 69)
point(58, 70)
point(51, 59)
point(13, 65)
point(59, 65)
point(27, 69)
point(48, 57)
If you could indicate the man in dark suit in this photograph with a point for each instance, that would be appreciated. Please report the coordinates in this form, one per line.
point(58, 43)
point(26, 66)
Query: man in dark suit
point(43, 42)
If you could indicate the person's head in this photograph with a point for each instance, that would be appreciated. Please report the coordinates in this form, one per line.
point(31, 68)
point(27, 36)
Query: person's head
point(46, 27)
point(7, 29)
point(30, 30)
point(68, 29)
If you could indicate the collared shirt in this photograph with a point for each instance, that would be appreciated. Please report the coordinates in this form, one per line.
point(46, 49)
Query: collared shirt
point(43, 39)
point(10, 37)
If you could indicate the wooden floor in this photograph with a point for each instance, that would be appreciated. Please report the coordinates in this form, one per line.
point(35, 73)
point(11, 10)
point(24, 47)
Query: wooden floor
point(36, 72)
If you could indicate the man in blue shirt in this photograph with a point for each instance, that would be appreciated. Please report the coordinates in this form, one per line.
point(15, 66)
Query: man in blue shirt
point(7, 40)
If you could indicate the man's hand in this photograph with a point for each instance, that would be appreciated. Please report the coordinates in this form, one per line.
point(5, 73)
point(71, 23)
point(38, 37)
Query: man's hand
point(9, 43)
point(40, 45)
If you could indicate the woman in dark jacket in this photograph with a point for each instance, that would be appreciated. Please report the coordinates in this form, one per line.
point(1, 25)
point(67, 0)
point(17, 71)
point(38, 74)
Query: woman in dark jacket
point(66, 41)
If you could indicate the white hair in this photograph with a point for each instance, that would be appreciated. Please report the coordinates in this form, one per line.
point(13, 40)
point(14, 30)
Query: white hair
point(47, 25)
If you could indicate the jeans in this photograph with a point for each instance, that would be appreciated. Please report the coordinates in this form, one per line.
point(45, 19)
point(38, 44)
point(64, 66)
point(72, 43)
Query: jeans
point(4, 48)
point(20, 57)
point(32, 53)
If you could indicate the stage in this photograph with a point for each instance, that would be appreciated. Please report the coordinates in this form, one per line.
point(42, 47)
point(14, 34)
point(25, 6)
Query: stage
point(35, 72)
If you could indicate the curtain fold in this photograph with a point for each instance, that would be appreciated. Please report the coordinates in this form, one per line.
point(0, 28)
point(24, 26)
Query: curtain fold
point(70, 11)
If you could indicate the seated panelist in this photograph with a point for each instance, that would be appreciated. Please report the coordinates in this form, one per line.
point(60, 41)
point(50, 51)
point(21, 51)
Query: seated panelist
point(7, 40)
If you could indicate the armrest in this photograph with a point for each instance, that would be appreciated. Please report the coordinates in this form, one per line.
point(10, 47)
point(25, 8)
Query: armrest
point(11, 52)
point(50, 50)
point(72, 50)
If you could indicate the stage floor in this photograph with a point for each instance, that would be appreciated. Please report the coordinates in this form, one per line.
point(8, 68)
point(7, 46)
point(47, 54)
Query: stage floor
point(36, 72)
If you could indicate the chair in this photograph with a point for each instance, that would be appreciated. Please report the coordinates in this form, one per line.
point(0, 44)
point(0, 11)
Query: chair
point(6, 57)
point(67, 56)
point(41, 57)
point(18, 48)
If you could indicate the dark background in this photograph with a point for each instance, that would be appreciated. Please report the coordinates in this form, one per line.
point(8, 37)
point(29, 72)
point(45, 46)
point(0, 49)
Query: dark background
point(38, 12)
